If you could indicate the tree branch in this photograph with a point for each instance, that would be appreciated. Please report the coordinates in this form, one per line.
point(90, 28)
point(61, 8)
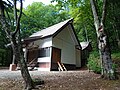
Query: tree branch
point(18, 19)
point(96, 19)
point(15, 11)
point(104, 12)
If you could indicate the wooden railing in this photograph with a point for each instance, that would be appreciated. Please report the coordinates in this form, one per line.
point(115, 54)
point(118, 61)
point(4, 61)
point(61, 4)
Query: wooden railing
point(31, 62)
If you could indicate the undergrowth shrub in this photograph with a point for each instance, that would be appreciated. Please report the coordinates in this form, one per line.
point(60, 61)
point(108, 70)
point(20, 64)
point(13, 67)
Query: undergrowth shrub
point(94, 63)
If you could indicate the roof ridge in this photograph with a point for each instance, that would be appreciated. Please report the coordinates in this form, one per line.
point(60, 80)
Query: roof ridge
point(51, 29)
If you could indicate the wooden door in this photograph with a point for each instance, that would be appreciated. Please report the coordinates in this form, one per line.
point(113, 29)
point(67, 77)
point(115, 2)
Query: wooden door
point(56, 56)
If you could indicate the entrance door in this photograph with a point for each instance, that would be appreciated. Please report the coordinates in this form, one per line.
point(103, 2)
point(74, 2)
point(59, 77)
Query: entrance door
point(56, 56)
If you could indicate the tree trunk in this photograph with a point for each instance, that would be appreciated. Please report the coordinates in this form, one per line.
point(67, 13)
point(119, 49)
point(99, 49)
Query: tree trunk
point(16, 43)
point(25, 73)
point(29, 85)
point(107, 70)
point(19, 56)
point(103, 44)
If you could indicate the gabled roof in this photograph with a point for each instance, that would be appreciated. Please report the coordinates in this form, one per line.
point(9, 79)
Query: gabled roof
point(52, 30)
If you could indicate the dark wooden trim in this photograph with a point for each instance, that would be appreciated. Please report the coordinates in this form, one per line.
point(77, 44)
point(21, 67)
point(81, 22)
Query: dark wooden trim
point(75, 35)
point(51, 59)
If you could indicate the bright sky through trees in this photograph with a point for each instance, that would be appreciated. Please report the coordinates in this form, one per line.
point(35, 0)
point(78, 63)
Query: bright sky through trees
point(27, 2)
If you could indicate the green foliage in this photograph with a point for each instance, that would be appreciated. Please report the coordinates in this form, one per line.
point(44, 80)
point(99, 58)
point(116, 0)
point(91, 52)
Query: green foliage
point(83, 20)
point(80, 10)
point(114, 66)
point(112, 23)
point(39, 16)
point(116, 54)
point(94, 63)
point(5, 57)
point(116, 59)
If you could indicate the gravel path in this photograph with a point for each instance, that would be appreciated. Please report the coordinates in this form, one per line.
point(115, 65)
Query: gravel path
point(6, 74)
point(55, 80)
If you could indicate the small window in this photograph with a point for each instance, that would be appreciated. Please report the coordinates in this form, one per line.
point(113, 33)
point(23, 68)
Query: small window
point(44, 52)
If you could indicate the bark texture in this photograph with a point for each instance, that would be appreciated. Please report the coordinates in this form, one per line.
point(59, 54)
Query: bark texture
point(103, 43)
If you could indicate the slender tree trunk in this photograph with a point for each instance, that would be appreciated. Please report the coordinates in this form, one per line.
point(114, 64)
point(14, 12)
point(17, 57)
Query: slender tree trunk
point(23, 65)
point(25, 73)
point(19, 56)
point(24, 69)
point(103, 44)
point(16, 44)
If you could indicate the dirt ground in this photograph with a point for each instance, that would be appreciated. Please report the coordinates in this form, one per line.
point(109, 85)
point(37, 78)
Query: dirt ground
point(66, 80)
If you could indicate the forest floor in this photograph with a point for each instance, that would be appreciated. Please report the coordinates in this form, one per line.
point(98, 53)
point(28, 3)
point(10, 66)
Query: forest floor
point(55, 80)
point(67, 80)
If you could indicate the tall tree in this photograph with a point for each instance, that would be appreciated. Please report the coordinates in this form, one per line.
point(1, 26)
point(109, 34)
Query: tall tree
point(38, 16)
point(80, 10)
point(107, 70)
point(14, 36)
point(99, 14)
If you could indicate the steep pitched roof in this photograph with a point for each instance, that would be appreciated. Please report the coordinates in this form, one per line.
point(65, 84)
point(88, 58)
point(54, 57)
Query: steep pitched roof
point(52, 30)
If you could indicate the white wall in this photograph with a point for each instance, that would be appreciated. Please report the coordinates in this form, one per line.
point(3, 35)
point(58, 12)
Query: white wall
point(66, 43)
point(42, 43)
